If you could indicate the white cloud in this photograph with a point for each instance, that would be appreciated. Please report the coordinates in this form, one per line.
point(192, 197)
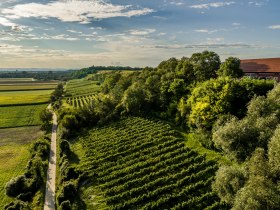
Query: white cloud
point(74, 10)
point(142, 32)
point(21, 51)
point(6, 22)
point(214, 4)
point(207, 45)
point(206, 31)
point(74, 31)
point(258, 3)
point(236, 24)
point(274, 27)
point(177, 3)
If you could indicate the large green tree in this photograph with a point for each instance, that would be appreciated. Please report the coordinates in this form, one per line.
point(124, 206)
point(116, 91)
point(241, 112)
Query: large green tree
point(205, 65)
point(230, 68)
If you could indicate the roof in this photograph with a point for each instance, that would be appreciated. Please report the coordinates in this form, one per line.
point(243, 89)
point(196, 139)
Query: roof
point(265, 65)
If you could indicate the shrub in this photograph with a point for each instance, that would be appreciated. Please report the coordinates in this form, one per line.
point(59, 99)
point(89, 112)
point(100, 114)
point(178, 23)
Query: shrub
point(41, 148)
point(17, 205)
point(16, 186)
point(65, 205)
point(25, 196)
point(64, 147)
point(68, 192)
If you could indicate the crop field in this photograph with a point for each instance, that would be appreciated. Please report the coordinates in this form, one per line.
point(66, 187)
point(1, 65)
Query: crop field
point(16, 116)
point(24, 97)
point(79, 87)
point(14, 154)
point(15, 79)
point(22, 86)
point(143, 164)
point(22, 100)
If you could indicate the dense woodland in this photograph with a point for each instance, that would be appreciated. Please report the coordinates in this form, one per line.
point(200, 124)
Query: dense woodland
point(233, 115)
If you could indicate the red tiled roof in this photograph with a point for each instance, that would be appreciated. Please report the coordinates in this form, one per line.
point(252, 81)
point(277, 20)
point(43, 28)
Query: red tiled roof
point(265, 65)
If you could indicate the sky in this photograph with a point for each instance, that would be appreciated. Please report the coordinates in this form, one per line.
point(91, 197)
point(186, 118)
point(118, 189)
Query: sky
point(138, 33)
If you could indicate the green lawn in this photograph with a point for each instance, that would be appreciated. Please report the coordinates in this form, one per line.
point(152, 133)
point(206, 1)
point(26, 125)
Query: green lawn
point(14, 154)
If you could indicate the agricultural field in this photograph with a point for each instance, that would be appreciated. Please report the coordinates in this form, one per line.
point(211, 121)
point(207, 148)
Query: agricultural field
point(24, 97)
point(14, 154)
point(80, 101)
point(21, 101)
point(27, 86)
point(16, 116)
point(16, 80)
point(138, 163)
point(80, 87)
point(80, 92)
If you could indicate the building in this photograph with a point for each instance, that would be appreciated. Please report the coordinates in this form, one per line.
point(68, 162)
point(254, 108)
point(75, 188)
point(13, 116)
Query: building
point(262, 68)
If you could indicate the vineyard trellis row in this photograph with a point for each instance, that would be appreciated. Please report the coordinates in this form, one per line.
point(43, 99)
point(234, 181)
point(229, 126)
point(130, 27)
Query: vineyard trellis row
point(80, 101)
point(143, 164)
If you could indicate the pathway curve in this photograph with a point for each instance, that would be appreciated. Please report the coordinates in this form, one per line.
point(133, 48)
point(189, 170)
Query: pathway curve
point(50, 186)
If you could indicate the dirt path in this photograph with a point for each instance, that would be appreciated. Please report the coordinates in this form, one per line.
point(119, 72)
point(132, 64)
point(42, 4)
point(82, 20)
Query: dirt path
point(50, 186)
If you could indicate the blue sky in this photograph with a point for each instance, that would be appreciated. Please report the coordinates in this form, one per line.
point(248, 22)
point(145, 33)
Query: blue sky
point(81, 33)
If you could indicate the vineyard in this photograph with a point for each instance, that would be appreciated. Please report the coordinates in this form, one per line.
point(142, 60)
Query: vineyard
point(80, 92)
point(80, 87)
point(143, 164)
point(79, 101)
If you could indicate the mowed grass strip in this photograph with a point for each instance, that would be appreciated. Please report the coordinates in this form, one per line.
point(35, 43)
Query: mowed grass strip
point(17, 116)
point(24, 97)
point(14, 155)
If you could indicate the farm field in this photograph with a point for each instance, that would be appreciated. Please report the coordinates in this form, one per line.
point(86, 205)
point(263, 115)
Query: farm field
point(16, 116)
point(23, 86)
point(15, 79)
point(14, 154)
point(79, 87)
point(80, 92)
point(143, 164)
point(24, 97)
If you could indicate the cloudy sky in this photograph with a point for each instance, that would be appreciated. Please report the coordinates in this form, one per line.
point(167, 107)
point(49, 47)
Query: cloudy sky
point(81, 33)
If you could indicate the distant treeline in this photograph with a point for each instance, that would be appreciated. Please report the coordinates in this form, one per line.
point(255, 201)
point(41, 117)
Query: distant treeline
point(62, 75)
point(93, 69)
point(39, 75)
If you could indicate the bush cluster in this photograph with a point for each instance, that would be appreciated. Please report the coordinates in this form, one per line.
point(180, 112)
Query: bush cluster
point(69, 177)
point(25, 186)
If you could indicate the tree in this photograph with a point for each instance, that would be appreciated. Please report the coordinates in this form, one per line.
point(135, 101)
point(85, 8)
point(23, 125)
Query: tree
point(260, 192)
point(230, 68)
point(205, 65)
point(57, 93)
point(228, 181)
point(210, 99)
point(134, 99)
point(274, 153)
point(237, 138)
